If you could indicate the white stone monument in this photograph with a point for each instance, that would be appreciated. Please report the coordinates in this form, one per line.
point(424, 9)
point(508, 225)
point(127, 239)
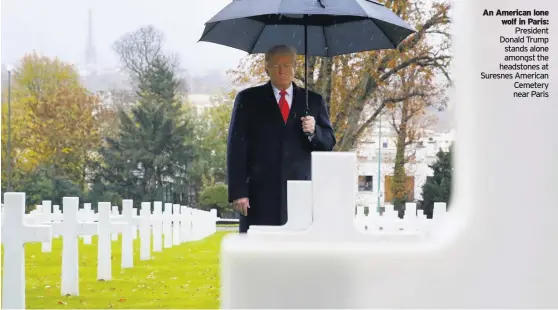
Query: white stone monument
point(157, 222)
point(185, 224)
point(167, 226)
point(87, 216)
point(145, 231)
point(114, 213)
point(104, 244)
point(15, 234)
point(70, 229)
point(176, 224)
point(46, 247)
point(127, 235)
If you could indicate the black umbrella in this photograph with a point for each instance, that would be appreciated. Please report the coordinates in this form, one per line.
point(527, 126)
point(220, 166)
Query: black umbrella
point(314, 27)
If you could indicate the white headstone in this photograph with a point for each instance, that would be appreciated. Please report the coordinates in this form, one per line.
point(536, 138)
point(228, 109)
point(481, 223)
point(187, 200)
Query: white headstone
point(373, 219)
point(167, 226)
point(214, 219)
point(46, 246)
point(176, 224)
point(115, 212)
point(70, 229)
point(157, 222)
point(57, 215)
point(88, 216)
point(104, 244)
point(127, 238)
point(410, 217)
point(389, 219)
point(15, 234)
point(185, 224)
point(145, 231)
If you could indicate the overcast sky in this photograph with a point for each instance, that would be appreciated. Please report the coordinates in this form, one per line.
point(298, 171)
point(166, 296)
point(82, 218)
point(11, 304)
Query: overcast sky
point(59, 28)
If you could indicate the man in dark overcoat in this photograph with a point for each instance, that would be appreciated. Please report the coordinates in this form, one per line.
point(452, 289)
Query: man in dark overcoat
point(270, 141)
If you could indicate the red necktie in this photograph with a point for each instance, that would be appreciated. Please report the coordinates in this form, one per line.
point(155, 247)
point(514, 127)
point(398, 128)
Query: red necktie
point(284, 106)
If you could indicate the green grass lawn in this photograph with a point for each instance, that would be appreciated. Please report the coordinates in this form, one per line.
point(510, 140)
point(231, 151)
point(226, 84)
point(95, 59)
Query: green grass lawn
point(185, 276)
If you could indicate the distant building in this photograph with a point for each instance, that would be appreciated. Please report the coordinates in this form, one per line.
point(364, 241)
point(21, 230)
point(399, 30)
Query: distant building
point(379, 154)
point(202, 102)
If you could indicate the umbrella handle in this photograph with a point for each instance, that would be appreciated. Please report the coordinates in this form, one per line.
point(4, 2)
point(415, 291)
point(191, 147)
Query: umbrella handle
point(307, 113)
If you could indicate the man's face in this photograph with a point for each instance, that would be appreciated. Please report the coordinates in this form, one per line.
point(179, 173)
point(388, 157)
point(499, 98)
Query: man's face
point(280, 69)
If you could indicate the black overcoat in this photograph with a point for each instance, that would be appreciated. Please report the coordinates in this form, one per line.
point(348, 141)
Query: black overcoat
point(263, 152)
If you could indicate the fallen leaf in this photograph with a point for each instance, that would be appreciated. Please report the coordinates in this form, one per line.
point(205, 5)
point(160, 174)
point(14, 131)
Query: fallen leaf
point(122, 300)
point(62, 302)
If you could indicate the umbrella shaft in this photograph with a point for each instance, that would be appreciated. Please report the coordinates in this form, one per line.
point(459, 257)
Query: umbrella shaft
point(306, 64)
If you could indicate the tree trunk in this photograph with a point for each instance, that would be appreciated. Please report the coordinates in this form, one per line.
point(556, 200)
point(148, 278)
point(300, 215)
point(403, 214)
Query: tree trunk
point(399, 189)
point(325, 78)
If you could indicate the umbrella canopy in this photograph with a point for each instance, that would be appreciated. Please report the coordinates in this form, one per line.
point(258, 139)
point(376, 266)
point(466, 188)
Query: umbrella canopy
point(333, 27)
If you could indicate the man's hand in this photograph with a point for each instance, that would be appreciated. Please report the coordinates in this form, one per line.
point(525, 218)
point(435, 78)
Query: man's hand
point(242, 205)
point(308, 124)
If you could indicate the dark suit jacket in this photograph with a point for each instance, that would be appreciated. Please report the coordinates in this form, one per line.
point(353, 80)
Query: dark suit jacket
point(263, 152)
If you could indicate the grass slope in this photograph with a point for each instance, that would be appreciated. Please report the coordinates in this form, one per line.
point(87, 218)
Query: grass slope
point(184, 276)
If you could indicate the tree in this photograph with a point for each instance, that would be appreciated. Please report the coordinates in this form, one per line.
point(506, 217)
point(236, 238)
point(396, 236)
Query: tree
point(351, 83)
point(114, 100)
point(150, 157)
point(215, 197)
point(409, 119)
point(56, 121)
point(215, 126)
point(437, 188)
point(139, 50)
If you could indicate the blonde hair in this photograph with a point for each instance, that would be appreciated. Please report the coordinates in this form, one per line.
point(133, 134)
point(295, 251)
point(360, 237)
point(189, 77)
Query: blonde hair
point(280, 50)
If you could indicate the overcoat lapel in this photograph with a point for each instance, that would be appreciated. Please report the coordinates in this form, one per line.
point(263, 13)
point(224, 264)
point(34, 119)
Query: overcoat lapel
point(272, 102)
point(297, 106)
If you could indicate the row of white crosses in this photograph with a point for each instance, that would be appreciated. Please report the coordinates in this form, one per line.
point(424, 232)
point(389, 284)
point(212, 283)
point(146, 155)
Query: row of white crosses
point(389, 222)
point(41, 225)
point(299, 208)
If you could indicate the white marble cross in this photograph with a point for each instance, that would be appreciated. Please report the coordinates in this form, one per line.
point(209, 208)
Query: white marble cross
point(157, 222)
point(87, 215)
point(15, 234)
point(57, 218)
point(167, 225)
point(127, 235)
point(46, 246)
point(185, 224)
point(70, 229)
point(145, 231)
point(410, 217)
point(213, 221)
point(114, 213)
point(176, 224)
point(196, 224)
point(104, 244)
point(389, 219)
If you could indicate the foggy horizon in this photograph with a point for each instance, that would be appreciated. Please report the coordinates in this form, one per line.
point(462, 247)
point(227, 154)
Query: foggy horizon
point(59, 28)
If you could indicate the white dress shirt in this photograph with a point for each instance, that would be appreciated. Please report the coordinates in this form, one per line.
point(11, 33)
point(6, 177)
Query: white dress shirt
point(288, 97)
